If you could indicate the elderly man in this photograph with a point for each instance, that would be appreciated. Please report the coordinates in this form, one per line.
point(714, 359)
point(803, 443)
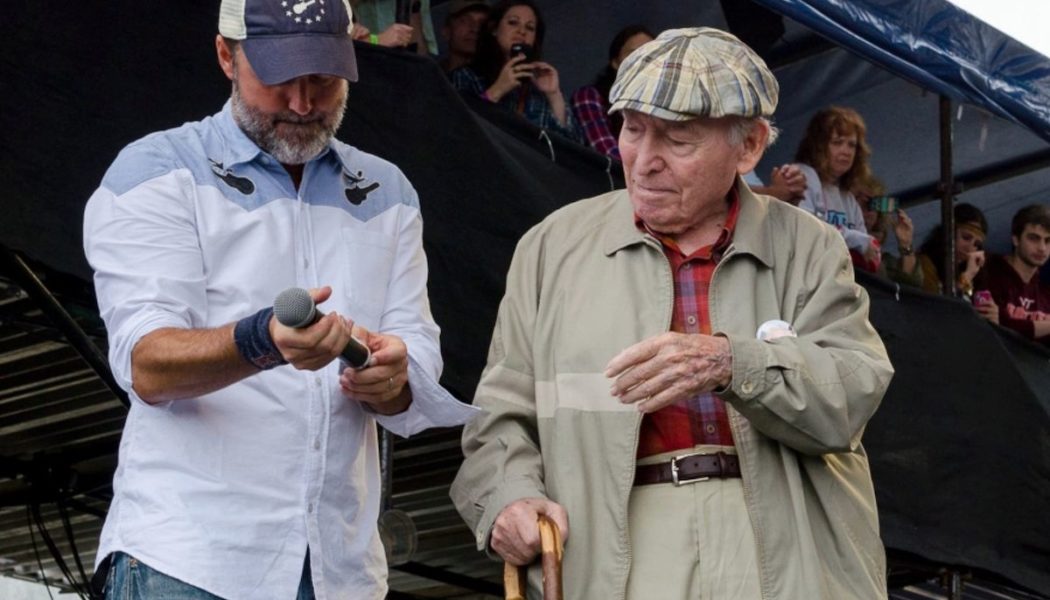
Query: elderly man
point(681, 372)
point(248, 465)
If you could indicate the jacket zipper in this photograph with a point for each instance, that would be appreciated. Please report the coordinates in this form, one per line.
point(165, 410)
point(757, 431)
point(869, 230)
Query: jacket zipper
point(734, 426)
point(669, 308)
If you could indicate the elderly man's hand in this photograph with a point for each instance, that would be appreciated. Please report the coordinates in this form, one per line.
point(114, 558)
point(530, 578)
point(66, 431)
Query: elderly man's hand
point(664, 369)
point(516, 532)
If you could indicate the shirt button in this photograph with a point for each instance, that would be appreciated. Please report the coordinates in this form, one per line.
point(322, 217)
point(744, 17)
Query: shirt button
point(747, 387)
point(317, 381)
point(691, 320)
point(310, 507)
point(317, 444)
point(306, 262)
point(710, 428)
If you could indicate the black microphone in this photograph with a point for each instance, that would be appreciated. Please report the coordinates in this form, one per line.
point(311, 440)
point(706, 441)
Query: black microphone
point(295, 308)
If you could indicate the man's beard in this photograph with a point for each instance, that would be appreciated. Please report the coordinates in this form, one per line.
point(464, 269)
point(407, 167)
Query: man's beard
point(290, 138)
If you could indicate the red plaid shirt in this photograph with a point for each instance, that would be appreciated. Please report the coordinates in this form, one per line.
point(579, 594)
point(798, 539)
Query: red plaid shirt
point(592, 113)
point(701, 419)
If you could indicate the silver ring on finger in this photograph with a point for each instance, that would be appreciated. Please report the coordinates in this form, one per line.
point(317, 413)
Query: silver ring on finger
point(390, 384)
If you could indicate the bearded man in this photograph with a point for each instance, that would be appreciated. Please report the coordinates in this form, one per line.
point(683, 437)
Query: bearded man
point(249, 465)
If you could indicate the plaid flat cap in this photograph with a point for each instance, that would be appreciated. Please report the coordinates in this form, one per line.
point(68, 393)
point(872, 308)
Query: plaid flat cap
point(697, 72)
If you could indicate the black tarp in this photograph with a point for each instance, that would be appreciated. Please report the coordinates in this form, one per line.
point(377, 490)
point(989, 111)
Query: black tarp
point(959, 448)
point(482, 183)
point(80, 87)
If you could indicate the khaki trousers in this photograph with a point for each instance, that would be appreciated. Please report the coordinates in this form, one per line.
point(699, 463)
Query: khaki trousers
point(693, 542)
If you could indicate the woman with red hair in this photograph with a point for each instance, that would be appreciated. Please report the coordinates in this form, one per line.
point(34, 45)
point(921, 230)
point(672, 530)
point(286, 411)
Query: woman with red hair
point(833, 156)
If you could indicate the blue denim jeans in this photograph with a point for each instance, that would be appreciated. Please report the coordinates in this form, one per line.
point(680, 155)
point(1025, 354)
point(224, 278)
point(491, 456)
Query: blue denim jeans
point(131, 579)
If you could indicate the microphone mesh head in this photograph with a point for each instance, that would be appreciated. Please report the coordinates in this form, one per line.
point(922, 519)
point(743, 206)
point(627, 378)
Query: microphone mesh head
point(294, 307)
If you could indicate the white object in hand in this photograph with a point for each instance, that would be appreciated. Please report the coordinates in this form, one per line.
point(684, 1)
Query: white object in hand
point(771, 330)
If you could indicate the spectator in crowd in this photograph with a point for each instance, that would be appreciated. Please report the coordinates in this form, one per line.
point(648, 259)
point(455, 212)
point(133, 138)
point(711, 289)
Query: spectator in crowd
point(904, 268)
point(970, 230)
point(465, 19)
point(833, 156)
point(1013, 281)
point(787, 183)
point(590, 103)
point(520, 83)
point(249, 466)
point(381, 15)
point(683, 331)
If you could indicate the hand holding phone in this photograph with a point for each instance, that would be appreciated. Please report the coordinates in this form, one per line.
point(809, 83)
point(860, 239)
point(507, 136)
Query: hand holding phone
point(523, 49)
point(883, 204)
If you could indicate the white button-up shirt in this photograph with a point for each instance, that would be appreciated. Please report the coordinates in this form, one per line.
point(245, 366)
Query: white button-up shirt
point(195, 228)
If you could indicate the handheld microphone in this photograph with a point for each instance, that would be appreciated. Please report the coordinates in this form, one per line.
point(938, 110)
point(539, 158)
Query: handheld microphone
point(295, 308)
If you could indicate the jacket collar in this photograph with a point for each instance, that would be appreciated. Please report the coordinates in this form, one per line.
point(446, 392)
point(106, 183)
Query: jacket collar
point(239, 148)
point(753, 234)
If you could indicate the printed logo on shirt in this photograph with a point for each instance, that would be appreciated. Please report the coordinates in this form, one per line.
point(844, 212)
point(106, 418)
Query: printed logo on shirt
point(1025, 312)
point(837, 218)
point(355, 194)
point(241, 184)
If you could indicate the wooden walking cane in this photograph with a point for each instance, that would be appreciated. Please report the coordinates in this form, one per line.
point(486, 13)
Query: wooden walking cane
point(515, 579)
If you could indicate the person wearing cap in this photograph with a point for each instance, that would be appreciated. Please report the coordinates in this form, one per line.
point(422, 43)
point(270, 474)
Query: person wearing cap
point(249, 466)
point(460, 32)
point(681, 371)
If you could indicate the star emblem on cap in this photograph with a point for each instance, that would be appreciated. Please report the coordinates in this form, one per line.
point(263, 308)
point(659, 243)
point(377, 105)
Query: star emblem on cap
point(308, 11)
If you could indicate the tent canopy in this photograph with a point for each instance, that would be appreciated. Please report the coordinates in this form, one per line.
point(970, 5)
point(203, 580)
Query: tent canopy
point(939, 46)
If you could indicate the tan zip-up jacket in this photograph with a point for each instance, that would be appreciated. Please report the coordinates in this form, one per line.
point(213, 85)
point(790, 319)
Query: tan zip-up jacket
point(585, 284)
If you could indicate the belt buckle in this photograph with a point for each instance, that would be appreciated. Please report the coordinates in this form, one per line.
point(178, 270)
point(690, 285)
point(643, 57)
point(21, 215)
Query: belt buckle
point(674, 470)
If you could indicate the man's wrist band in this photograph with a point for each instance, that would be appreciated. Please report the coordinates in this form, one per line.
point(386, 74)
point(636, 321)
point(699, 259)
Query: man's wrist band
point(373, 39)
point(254, 343)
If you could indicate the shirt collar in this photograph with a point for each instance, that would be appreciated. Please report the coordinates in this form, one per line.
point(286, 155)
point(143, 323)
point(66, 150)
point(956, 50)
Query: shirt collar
point(239, 148)
point(732, 198)
point(751, 235)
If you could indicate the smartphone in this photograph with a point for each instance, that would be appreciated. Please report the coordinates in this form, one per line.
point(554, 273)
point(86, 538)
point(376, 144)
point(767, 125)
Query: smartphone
point(524, 49)
point(883, 204)
point(981, 297)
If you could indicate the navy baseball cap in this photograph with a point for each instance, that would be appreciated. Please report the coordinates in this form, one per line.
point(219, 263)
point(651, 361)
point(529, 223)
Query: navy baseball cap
point(285, 39)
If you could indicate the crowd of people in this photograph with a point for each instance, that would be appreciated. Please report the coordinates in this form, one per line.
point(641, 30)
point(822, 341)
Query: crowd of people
point(841, 190)
point(249, 464)
point(830, 178)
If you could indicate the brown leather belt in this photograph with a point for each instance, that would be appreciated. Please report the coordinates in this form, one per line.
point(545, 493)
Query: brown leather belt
point(689, 468)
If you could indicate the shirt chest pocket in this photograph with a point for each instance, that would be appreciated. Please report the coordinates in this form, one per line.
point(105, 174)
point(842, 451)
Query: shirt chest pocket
point(369, 260)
